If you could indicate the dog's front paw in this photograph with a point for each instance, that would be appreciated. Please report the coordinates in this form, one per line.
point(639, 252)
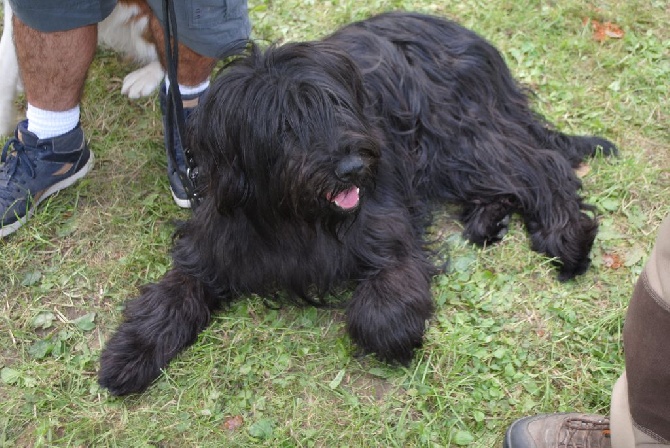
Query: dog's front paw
point(127, 366)
point(387, 316)
point(143, 81)
point(568, 272)
point(391, 335)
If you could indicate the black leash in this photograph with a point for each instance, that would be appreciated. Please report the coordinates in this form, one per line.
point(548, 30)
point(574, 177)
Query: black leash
point(174, 109)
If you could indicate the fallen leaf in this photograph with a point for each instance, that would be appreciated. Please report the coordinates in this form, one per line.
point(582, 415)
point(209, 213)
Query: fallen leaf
point(233, 423)
point(613, 31)
point(604, 30)
point(612, 261)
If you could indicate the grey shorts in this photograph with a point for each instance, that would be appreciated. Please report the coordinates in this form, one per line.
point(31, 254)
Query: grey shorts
point(61, 15)
point(208, 27)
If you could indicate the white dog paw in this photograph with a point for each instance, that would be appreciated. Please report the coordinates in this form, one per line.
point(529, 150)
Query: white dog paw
point(7, 121)
point(143, 81)
point(8, 112)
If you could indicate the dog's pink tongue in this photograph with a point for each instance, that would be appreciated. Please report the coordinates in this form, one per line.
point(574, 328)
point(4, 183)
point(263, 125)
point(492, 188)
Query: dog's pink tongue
point(347, 199)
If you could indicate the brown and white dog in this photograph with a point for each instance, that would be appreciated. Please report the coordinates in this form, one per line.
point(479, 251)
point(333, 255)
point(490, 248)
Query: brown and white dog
point(124, 31)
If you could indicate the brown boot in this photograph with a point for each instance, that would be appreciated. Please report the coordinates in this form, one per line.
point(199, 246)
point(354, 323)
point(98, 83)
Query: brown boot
point(559, 431)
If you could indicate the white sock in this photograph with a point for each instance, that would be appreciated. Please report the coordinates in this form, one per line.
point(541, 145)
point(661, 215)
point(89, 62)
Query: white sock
point(47, 124)
point(189, 90)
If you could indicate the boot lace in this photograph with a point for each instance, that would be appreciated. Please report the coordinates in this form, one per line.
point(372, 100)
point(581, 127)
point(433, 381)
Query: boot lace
point(584, 432)
point(11, 162)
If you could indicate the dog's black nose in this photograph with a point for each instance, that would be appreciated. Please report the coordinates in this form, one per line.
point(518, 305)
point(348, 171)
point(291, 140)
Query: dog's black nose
point(349, 168)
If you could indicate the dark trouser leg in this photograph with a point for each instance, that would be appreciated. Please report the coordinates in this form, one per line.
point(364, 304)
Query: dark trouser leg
point(641, 397)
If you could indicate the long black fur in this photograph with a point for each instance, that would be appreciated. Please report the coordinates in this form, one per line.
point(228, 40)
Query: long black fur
point(409, 108)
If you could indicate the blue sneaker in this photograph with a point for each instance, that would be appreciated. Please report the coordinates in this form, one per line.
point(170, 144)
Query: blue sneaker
point(189, 103)
point(34, 169)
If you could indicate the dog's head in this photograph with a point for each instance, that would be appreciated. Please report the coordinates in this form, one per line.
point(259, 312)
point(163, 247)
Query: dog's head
point(283, 134)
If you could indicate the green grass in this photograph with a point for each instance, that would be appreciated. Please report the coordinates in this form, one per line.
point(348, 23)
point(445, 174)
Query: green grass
point(507, 339)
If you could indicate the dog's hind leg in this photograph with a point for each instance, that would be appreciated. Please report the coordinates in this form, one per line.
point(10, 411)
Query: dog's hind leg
point(165, 319)
point(575, 148)
point(568, 237)
point(487, 223)
point(558, 221)
point(388, 312)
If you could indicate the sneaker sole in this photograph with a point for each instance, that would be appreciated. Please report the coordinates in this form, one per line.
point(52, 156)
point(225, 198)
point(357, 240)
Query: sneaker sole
point(55, 188)
point(183, 203)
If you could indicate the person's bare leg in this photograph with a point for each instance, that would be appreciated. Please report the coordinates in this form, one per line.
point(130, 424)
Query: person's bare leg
point(50, 152)
point(54, 65)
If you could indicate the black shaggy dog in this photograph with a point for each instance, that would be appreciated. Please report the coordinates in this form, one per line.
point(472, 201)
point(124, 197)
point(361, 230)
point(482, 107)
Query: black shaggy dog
point(319, 162)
